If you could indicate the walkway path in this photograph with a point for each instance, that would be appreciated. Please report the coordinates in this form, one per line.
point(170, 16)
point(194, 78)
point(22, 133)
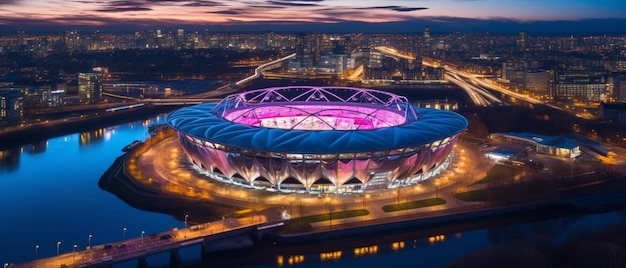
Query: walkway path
point(166, 164)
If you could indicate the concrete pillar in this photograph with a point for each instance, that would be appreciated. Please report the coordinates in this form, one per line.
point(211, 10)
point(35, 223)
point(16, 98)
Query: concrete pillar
point(204, 256)
point(174, 258)
point(142, 263)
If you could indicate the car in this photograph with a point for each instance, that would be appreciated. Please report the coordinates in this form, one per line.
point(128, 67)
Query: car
point(123, 245)
point(108, 247)
point(166, 236)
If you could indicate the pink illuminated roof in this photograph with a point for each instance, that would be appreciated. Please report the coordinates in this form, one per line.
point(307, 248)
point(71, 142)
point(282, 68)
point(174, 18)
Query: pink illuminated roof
point(316, 108)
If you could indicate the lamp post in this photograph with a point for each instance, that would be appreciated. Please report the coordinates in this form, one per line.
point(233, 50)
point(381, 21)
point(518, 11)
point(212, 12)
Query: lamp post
point(36, 251)
point(186, 216)
point(397, 192)
point(58, 245)
point(142, 243)
point(330, 212)
point(89, 242)
point(74, 248)
point(124, 233)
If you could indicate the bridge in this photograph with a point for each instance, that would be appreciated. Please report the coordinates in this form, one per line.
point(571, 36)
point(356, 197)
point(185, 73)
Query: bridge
point(212, 236)
point(209, 96)
point(258, 72)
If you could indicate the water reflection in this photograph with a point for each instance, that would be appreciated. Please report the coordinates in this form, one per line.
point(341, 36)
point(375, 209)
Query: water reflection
point(529, 242)
point(550, 229)
point(51, 194)
point(36, 148)
point(10, 159)
point(94, 136)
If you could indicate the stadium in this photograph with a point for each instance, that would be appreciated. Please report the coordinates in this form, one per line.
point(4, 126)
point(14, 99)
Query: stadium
point(309, 139)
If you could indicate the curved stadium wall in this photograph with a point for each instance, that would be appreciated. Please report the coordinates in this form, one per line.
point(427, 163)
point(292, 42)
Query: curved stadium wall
point(317, 139)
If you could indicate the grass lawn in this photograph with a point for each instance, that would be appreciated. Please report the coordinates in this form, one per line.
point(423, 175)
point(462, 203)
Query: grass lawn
point(414, 204)
point(303, 224)
point(500, 173)
point(480, 195)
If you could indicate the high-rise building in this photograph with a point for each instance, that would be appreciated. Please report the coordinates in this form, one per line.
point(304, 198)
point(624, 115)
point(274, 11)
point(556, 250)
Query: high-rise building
point(90, 87)
point(521, 41)
point(619, 87)
point(305, 53)
point(11, 106)
point(537, 81)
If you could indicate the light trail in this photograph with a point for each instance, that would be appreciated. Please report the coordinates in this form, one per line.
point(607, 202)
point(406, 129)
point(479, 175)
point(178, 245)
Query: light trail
point(479, 96)
point(258, 72)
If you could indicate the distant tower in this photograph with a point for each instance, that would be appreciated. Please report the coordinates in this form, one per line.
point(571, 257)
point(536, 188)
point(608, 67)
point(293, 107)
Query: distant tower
point(270, 37)
point(521, 41)
point(427, 40)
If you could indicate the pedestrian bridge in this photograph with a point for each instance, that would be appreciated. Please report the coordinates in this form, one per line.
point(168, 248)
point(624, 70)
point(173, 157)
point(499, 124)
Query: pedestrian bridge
point(213, 236)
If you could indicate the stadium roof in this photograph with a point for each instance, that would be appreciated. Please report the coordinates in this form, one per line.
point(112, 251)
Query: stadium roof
point(199, 122)
point(553, 141)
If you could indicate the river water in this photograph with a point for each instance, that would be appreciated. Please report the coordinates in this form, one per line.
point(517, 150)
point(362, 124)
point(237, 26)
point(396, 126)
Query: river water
point(49, 193)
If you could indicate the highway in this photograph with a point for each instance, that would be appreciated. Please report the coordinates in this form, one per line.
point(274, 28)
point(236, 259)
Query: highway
point(147, 244)
point(479, 95)
point(258, 72)
point(481, 81)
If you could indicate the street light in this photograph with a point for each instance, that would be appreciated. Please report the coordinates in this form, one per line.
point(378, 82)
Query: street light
point(186, 216)
point(330, 212)
point(36, 251)
point(90, 236)
point(74, 248)
point(58, 245)
point(397, 192)
point(142, 232)
point(124, 233)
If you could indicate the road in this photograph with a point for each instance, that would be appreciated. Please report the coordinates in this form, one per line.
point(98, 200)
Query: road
point(479, 95)
point(147, 244)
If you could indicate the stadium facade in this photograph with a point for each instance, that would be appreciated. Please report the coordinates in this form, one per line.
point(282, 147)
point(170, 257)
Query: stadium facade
point(317, 139)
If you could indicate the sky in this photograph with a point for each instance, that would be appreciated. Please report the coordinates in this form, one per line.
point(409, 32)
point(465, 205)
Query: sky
point(148, 13)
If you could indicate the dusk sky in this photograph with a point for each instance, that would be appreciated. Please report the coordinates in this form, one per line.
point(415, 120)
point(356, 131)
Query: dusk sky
point(232, 12)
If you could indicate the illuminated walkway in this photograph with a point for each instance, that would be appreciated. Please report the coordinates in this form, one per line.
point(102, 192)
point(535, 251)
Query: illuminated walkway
point(169, 170)
point(136, 248)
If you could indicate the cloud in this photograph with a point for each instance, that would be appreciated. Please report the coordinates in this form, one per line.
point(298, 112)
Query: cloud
point(202, 3)
point(124, 6)
point(295, 3)
point(146, 5)
point(229, 12)
point(395, 8)
point(266, 7)
point(8, 2)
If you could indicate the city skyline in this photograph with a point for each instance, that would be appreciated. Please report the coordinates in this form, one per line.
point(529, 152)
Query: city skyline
point(319, 15)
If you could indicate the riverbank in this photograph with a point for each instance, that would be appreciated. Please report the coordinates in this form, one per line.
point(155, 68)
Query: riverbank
point(42, 132)
point(608, 196)
point(117, 182)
